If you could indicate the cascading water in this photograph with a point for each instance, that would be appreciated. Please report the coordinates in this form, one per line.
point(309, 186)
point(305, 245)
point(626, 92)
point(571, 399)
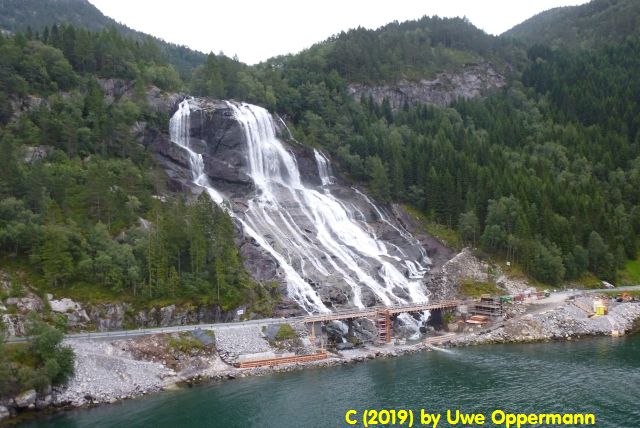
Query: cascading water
point(319, 240)
point(9, 325)
point(324, 168)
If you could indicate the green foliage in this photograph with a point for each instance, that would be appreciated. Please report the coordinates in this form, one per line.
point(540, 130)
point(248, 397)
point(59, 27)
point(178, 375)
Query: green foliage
point(37, 18)
point(545, 263)
point(545, 173)
point(540, 166)
point(378, 178)
point(412, 49)
point(469, 227)
point(473, 288)
point(449, 237)
point(42, 362)
point(592, 24)
point(448, 318)
point(189, 250)
point(46, 346)
point(630, 275)
point(285, 332)
point(75, 181)
point(186, 344)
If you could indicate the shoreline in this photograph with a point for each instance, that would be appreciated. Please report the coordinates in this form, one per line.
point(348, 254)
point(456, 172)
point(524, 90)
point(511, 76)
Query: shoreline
point(625, 317)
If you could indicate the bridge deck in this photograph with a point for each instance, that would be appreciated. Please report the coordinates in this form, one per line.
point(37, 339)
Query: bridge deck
point(390, 310)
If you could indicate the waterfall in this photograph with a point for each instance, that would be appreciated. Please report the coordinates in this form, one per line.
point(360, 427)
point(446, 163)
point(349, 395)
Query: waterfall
point(9, 325)
point(324, 168)
point(319, 240)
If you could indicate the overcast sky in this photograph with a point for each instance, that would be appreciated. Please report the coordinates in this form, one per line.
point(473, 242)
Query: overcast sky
point(259, 29)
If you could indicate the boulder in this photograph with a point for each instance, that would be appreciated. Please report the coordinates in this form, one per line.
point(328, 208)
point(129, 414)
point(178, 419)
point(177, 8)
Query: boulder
point(115, 88)
point(64, 305)
point(4, 412)
point(26, 304)
point(26, 399)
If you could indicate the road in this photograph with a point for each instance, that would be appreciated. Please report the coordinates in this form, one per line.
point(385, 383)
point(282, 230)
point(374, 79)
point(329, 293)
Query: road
point(125, 334)
point(560, 296)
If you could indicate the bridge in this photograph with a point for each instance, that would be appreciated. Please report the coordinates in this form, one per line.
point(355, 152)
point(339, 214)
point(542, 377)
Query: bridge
point(380, 315)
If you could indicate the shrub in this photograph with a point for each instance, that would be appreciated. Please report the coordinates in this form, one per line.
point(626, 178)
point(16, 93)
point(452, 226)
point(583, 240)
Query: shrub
point(285, 332)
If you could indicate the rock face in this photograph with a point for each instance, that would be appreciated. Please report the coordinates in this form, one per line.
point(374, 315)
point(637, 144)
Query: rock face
point(473, 81)
point(116, 316)
point(283, 224)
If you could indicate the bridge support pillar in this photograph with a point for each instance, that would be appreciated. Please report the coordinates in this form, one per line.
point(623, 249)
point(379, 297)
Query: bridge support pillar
point(383, 323)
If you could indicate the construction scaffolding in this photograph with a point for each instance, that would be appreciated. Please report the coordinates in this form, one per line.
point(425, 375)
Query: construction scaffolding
point(488, 306)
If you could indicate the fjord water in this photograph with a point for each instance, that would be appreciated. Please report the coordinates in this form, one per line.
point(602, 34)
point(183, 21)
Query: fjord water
point(599, 375)
point(318, 239)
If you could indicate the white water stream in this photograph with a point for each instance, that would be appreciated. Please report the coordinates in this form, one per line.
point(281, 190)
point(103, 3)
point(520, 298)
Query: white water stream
point(317, 239)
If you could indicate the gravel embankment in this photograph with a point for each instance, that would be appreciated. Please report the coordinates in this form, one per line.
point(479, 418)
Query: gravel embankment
point(233, 342)
point(566, 321)
point(104, 373)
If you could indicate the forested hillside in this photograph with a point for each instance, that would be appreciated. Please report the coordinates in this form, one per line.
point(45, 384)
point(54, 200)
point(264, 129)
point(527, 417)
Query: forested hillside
point(75, 183)
point(545, 173)
point(36, 15)
point(593, 24)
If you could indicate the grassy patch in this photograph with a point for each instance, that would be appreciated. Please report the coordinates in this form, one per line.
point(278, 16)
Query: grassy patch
point(630, 275)
point(285, 332)
point(588, 281)
point(473, 288)
point(186, 343)
point(87, 293)
point(448, 236)
point(16, 353)
point(634, 293)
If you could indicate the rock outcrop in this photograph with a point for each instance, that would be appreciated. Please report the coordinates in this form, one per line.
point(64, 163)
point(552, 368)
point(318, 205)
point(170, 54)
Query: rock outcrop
point(471, 82)
point(26, 400)
point(215, 132)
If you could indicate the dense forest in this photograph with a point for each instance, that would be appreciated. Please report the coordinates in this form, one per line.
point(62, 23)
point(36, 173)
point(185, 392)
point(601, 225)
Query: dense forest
point(545, 173)
point(75, 184)
point(593, 24)
point(36, 15)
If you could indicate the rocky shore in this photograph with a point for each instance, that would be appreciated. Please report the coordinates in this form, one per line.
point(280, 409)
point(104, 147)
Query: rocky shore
point(567, 321)
point(110, 371)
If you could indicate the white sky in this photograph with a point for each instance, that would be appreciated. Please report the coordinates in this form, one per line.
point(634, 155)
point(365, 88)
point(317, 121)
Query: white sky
point(259, 29)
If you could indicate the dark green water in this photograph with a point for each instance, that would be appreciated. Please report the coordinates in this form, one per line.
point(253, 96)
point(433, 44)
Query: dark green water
point(600, 376)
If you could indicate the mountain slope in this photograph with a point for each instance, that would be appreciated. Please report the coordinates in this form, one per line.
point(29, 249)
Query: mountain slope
point(588, 25)
point(20, 15)
point(412, 49)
